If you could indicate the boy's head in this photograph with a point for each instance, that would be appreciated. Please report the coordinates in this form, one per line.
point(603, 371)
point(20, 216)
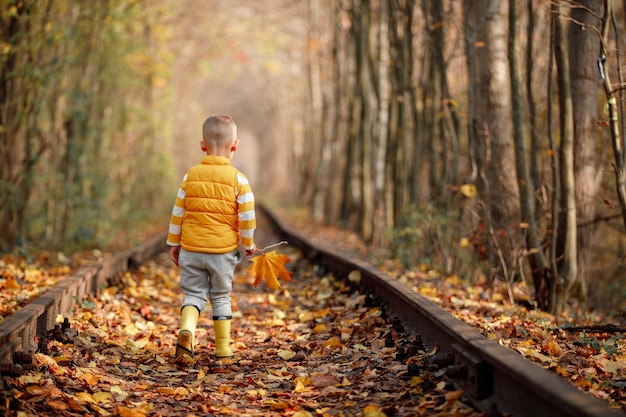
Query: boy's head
point(219, 135)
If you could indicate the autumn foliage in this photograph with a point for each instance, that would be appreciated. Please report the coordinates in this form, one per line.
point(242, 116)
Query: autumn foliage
point(269, 267)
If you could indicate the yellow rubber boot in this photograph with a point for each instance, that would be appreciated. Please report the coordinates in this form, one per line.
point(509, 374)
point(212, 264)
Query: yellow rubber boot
point(222, 339)
point(188, 321)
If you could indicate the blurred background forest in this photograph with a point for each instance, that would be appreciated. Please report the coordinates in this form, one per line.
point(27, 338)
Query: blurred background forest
point(478, 138)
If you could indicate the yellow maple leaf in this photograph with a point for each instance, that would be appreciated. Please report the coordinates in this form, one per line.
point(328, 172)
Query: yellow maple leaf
point(269, 267)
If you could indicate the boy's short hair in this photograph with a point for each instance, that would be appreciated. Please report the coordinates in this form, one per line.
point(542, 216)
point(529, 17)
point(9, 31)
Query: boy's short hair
point(219, 129)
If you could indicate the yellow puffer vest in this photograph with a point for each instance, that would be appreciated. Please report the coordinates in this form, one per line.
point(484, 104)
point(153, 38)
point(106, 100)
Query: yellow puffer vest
point(210, 222)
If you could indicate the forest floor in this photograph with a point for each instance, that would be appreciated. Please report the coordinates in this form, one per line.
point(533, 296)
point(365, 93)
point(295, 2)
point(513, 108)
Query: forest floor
point(131, 333)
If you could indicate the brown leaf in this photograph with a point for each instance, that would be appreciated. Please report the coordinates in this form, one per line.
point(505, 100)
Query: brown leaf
point(324, 380)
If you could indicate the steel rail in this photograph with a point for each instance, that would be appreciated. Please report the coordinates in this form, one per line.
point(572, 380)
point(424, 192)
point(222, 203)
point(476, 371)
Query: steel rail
point(19, 332)
point(497, 379)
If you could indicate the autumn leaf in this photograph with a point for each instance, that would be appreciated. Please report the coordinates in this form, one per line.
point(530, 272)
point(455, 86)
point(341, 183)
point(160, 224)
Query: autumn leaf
point(468, 190)
point(286, 354)
point(12, 284)
point(269, 266)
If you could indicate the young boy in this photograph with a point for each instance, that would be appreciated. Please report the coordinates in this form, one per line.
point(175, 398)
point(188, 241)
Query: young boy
point(213, 213)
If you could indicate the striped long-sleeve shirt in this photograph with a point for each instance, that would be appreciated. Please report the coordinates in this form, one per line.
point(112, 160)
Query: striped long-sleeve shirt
point(214, 209)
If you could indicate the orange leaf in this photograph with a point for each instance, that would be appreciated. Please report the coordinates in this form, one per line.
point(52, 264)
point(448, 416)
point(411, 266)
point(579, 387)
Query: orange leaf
point(269, 266)
point(12, 284)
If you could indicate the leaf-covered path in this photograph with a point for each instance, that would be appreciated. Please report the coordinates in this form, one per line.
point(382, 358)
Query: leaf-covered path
point(312, 348)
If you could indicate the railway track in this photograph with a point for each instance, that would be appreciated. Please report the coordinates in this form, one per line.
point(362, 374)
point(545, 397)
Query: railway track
point(494, 378)
point(20, 332)
point(497, 379)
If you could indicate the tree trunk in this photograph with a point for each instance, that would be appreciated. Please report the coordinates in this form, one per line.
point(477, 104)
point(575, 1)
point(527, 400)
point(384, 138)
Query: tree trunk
point(21, 94)
point(472, 22)
point(538, 262)
point(567, 238)
point(379, 224)
point(532, 108)
point(583, 47)
point(613, 114)
point(315, 180)
point(401, 151)
point(492, 146)
point(444, 109)
point(367, 95)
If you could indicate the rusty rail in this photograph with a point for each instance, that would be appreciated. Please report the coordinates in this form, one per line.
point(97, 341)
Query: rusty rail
point(497, 379)
point(18, 333)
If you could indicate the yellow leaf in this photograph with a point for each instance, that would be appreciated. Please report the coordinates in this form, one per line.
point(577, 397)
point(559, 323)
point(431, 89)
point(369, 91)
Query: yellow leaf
point(178, 391)
point(102, 397)
point(303, 384)
point(372, 410)
point(85, 397)
point(57, 405)
point(305, 316)
point(269, 266)
point(36, 390)
point(278, 405)
point(130, 412)
point(30, 379)
point(354, 276)
point(286, 354)
point(453, 396)
point(553, 348)
point(131, 329)
point(89, 378)
point(562, 372)
point(468, 190)
point(278, 323)
point(416, 380)
point(119, 393)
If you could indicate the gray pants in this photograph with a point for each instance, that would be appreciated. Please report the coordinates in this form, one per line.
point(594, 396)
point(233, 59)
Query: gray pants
point(207, 276)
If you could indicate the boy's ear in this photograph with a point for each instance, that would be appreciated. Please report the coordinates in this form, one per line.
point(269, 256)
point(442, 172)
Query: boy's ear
point(234, 146)
point(203, 146)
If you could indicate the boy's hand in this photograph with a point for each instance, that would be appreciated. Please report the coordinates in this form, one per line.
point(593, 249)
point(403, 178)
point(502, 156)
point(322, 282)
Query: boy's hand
point(174, 252)
point(250, 252)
